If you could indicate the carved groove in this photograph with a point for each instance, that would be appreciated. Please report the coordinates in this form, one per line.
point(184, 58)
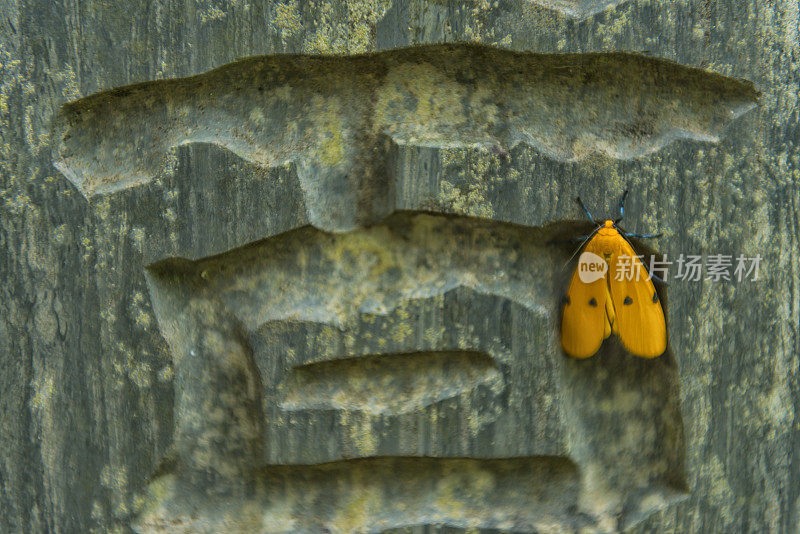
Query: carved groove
point(387, 384)
point(331, 116)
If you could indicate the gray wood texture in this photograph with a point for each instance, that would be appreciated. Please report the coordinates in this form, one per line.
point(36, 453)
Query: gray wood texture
point(301, 277)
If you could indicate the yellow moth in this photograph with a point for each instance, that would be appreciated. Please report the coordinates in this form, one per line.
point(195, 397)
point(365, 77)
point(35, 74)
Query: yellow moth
point(599, 302)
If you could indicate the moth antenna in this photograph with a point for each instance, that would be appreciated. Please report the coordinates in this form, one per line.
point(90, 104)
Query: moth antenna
point(622, 207)
point(644, 236)
point(586, 210)
point(588, 237)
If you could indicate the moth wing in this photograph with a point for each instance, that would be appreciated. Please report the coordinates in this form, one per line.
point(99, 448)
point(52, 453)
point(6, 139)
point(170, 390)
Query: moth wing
point(584, 322)
point(640, 322)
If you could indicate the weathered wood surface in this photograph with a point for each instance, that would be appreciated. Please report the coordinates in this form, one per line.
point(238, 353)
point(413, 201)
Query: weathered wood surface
point(204, 279)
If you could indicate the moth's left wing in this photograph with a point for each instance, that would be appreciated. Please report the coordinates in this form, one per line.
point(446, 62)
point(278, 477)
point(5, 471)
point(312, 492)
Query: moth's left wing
point(639, 322)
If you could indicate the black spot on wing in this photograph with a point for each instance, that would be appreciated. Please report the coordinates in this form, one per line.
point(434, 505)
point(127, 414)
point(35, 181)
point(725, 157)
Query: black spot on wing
point(627, 300)
point(593, 302)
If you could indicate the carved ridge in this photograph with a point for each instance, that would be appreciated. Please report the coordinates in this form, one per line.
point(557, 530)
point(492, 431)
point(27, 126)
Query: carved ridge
point(579, 9)
point(457, 492)
point(270, 379)
point(387, 384)
point(331, 116)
